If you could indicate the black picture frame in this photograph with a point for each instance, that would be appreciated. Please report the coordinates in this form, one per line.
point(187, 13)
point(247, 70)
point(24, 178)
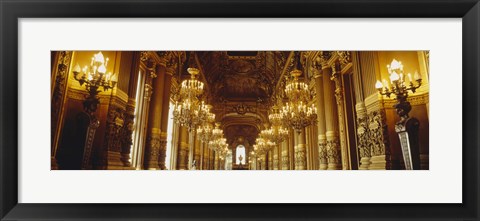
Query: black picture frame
point(11, 11)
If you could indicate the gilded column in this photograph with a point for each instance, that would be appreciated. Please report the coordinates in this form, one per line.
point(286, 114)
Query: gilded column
point(270, 160)
point(59, 87)
point(291, 149)
point(212, 160)
point(275, 157)
point(201, 163)
point(167, 91)
point(183, 149)
point(285, 157)
point(198, 153)
point(331, 120)
point(378, 139)
point(205, 159)
point(191, 147)
point(307, 149)
point(361, 113)
point(322, 139)
point(337, 78)
point(300, 156)
point(154, 136)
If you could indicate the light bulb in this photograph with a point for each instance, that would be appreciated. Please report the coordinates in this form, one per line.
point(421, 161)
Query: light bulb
point(77, 68)
point(417, 76)
point(102, 69)
point(394, 76)
point(378, 85)
point(99, 58)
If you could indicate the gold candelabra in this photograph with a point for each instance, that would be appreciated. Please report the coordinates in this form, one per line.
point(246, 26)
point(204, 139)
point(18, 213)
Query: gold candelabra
point(94, 77)
point(399, 87)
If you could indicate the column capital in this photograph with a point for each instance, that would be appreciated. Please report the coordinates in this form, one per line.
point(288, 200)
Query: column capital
point(323, 58)
point(317, 69)
point(171, 71)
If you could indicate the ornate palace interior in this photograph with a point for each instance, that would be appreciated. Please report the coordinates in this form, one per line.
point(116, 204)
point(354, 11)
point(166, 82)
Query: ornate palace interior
point(240, 110)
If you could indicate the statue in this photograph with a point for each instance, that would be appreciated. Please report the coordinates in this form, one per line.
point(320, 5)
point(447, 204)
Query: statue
point(240, 158)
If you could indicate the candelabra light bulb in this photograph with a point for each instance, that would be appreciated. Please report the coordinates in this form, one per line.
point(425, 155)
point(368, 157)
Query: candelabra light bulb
point(416, 76)
point(378, 85)
point(77, 68)
point(394, 76)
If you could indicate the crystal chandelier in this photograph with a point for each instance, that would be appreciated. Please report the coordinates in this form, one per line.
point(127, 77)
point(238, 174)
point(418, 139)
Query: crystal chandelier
point(95, 76)
point(276, 133)
point(262, 146)
point(217, 132)
point(218, 144)
point(205, 130)
point(190, 112)
point(296, 111)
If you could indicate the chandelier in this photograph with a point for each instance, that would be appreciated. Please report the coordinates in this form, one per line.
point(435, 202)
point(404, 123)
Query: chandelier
point(218, 144)
point(296, 112)
point(205, 130)
point(94, 77)
point(262, 145)
point(190, 112)
point(222, 153)
point(217, 132)
point(276, 133)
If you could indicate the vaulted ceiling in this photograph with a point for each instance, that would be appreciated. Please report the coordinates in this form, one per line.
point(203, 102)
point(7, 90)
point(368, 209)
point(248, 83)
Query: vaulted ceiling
point(241, 75)
point(240, 85)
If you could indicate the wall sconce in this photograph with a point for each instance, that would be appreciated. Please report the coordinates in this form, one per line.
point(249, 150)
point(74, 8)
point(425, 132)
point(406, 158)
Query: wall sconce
point(94, 76)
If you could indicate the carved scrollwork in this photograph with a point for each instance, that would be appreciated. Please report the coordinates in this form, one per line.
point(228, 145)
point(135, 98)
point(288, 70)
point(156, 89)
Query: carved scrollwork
point(115, 123)
point(333, 151)
point(363, 136)
point(126, 135)
point(153, 144)
point(324, 56)
point(162, 154)
point(344, 57)
point(59, 90)
point(322, 150)
point(378, 133)
point(285, 162)
point(242, 109)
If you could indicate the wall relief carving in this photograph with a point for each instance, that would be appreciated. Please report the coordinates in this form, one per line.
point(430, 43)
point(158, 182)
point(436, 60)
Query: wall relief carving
point(377, 127)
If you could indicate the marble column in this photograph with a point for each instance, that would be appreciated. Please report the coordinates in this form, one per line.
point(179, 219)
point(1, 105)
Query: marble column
point(197, 153)
point(285, 157)
point(291, 148)
point(270, 160)
point(301, 161)
point(212, 159)
point(191, 147)
point(331, 121)
point(153, 141)
point(378, 139)
point(339, 94)
point(307, 149)
point(361, 113)
point(164, 115)
point(275, 157)
point(322, 139)
point(201, 162)
point(58, 94)
point(183, 149)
